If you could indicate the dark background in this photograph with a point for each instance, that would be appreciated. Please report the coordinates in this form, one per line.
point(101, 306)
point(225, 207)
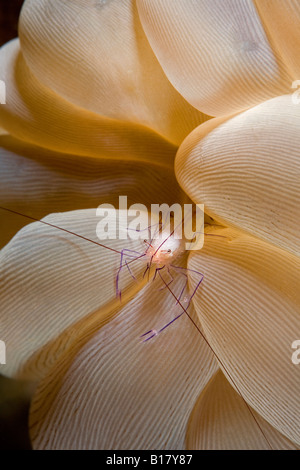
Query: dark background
point(14, 401)
point(9, 14)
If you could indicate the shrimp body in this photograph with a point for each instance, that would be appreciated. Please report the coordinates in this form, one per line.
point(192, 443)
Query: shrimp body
point(164, 249)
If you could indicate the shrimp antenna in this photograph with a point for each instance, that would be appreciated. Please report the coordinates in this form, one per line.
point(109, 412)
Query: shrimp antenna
point(59, 228)
point(219, 360)
point(171, 292)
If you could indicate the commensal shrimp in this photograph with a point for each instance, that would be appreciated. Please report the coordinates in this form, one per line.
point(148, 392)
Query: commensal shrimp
point(162, 250)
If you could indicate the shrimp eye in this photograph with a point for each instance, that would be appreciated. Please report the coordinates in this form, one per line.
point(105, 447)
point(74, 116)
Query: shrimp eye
point(169, 250)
